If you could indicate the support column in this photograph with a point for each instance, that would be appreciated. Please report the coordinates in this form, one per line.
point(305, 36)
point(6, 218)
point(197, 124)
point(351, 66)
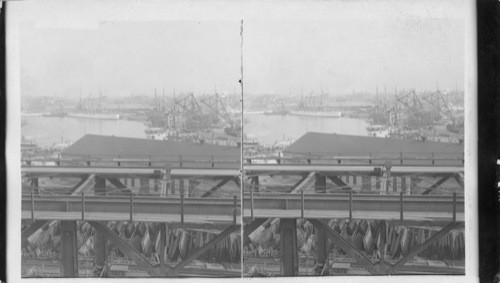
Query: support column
point(181, 187)
point(255, 184)
point(99, 253)
point(413, 184)
point(367, 183)
point(191, 188)
point(163, 240)
point(288, 247)
point(34, 184)
point(320, 253)
point(404, 186)
point(144, 186)
point(172, 186)
point(100, 185)
point(69, 257)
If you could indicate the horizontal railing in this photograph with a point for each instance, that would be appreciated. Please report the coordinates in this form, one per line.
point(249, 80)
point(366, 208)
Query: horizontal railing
point(130, 206)
point(399, 158)
point(350, 204)
point(178, 161)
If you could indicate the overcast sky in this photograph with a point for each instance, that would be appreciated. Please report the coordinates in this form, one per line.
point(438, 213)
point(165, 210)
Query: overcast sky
point(280, 56)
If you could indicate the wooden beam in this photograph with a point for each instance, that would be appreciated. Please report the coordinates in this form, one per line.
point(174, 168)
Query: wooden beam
point(216, 187)
point(288, 247)
point(459, 177)
point(26, 233)
point(203, 250)
point(424, 245)
point(345, 245)
point(336, 180)
point(69, 249)
point(304, 182)
point(437, 184)
point(85, 185)
point(127, 249)
point(250, 227)
point(119, 185)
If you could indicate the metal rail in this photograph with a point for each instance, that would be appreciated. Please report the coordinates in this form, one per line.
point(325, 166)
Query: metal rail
point(180, 161)
point(356, 206)
point(387, 207)
point(374, 169)
point(130, 208)
point(423, 158)
point(152, 172)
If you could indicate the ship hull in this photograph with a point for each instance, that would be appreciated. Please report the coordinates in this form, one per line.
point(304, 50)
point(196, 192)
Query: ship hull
point(98, 116)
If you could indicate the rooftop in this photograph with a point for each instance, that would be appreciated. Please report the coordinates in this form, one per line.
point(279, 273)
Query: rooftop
point(321, 143)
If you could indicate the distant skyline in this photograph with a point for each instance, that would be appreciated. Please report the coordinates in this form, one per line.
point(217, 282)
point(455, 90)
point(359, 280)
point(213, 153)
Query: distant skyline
point(280, 56)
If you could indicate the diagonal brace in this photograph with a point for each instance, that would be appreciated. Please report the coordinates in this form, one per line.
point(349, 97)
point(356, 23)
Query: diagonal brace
point(345, 245)
point(30, 230)
point(216, 187)
point(119, 185)
point(249, 228)
point(127, 249)
point(85, 185)
point(437, 184)
point(425, 245)
point(337, 181)
point(204, 249)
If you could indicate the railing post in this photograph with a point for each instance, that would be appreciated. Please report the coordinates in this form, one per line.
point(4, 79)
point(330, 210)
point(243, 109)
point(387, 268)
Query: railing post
point(119, 163)
point(182, 208)
point(180, 160)
point(401, 206)
point(88, 161)
point(350, 205)
point(213, 161)
point(131, 207)
point(370, 158)
point(401, 157)
point(303, 204)
point(32, 207)
point(83, 206)
point(251, 203)
point(433, 158)
point(149, 163)
point(340, 160)
point(235, 208)
point(454, 207)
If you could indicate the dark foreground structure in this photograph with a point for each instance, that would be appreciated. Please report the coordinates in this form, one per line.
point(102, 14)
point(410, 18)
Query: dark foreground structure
point(339, 205)
point(127, 211)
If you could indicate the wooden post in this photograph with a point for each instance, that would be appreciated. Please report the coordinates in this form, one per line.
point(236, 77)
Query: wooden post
point(251, 203)
point(350, 205)
point(32, 207)
point(454, 207)
point(69, 249)
point(235, 209)
point(182, 208)
point(401, 206)
point(303, 204)
point(288, 247)
point(83, 206)
point(131, 207)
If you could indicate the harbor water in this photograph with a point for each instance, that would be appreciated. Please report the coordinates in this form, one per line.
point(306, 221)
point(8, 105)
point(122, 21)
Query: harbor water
point(266, 129)
point(274, 129)
point(50, 131)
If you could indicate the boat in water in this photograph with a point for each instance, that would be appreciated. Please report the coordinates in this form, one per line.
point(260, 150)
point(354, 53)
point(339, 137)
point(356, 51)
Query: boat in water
point(319, 114)
point(98, 116)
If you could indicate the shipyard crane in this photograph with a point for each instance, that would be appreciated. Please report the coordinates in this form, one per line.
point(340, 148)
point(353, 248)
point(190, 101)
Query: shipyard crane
point(438, 101)
point(215, 104)
point(416, 117)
